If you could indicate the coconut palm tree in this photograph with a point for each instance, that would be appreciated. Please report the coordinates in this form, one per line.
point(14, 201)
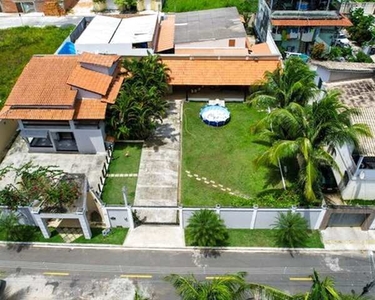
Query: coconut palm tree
point(322, 290)
point(309, 133)
point(227, 287)
point(206, 229)
point(293, 83)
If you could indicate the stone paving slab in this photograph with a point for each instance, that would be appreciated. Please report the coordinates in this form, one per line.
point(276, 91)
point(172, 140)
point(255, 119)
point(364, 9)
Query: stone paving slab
point(155, 236)
point(159, 168)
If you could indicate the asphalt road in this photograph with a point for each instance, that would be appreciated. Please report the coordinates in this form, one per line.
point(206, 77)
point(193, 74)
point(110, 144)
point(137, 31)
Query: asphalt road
point(351, 270)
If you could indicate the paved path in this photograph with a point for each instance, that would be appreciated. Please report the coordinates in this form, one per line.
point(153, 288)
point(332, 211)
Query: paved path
point(155, 236)
point(159, 169)
point(77, 267)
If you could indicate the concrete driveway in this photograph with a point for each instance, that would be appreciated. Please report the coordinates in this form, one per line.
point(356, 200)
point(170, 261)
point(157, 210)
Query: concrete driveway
point(89, 164)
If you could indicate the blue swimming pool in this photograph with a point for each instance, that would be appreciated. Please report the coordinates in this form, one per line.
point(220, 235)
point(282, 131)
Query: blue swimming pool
point(215, 115)
point(67, 48)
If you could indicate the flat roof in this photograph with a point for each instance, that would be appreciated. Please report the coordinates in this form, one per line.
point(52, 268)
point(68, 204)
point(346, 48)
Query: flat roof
point(204, 25)
point(110, 30)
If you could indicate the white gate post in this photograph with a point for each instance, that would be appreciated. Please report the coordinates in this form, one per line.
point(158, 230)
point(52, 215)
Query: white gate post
point(321, 217)
point(130, 217)
point(181, 217)
point(255, 211)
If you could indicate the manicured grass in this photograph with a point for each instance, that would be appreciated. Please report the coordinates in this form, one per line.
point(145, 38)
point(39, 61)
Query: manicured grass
point(360, 202)
point(116, 237)
point(18, 45)
point(126, 158)
point(225, 155)
point(266, 238)
point(191, 5)
point(33, 234)
point(112, 191)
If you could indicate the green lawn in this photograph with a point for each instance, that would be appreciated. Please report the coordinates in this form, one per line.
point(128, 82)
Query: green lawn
point(112, 191)
point(116, 237)
point(224, 155)
point(125, 160)
point(33, 234)
point(264, 238)
point(191, 5)
point(18, 45)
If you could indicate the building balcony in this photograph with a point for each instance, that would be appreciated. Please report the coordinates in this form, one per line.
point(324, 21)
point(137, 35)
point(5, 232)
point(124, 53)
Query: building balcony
point(307, 36)
point(276, 37)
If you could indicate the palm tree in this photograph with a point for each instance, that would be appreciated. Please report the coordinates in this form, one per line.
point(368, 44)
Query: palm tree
point(293, 83)
point(322, 290)
point(309, 133)
point(140, 104)
point(227, 287)
point(291, 229)
point(206, 229)
point(261, 292)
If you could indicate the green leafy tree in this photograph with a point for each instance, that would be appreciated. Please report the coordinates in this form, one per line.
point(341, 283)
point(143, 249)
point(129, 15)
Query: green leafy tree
point(362, 30)
point(8, 225)
point(293, 83)
point(206, 229)
point(140, 104)
point(126, 5)
point(228, 287)
point(291, 230)
point(309, 134)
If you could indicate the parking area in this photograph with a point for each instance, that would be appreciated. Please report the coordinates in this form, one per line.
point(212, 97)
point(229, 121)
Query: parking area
point(89, 164)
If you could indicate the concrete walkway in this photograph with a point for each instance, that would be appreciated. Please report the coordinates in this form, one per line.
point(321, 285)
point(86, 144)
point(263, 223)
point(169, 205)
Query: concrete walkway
point(155, 236)
point(348, 238)
point(159, 169)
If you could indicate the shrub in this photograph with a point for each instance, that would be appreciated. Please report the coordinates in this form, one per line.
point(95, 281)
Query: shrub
point(291, 230)
point(317, 51)
point(362, 57)
point(124, 5)
point(206, 229)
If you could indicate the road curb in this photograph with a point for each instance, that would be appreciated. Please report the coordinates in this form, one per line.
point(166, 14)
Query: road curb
point(186, 249)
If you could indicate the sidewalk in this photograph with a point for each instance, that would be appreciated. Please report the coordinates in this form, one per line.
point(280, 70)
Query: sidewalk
point(348, 238)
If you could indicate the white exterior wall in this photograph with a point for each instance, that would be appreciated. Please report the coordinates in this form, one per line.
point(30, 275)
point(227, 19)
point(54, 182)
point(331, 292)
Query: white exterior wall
point(89, 141)
point(100, 69)
point(119, 49)
point(87, 94)
point(368, 7)
point(224, 43)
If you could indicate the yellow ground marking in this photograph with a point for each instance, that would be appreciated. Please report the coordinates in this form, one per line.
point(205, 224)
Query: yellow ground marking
point(56, 274)
point(300, 278)
point(217, 277)
point(135, 276)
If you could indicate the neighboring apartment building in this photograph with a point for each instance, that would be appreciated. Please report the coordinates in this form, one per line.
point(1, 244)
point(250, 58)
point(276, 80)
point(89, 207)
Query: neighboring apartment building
point(60, 102)
point(355, 81)
point(298, 25)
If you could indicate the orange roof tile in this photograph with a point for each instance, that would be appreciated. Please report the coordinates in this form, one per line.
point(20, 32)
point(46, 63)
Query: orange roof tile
point(90, 109)
point(89, 80)
point(261, 48)
point(342, 22)
point(114, 90)
point(36, 114)
point(43, 82)
point(218, 72)
point(166, 34)
point(98, 59)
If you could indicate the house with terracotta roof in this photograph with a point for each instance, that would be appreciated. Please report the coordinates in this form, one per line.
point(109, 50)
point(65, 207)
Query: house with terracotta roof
point(355, 82)
point(60, 102)
point(297, 25)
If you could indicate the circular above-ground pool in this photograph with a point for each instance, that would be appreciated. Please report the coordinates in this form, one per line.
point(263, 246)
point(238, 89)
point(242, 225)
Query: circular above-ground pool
point(215, 115)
